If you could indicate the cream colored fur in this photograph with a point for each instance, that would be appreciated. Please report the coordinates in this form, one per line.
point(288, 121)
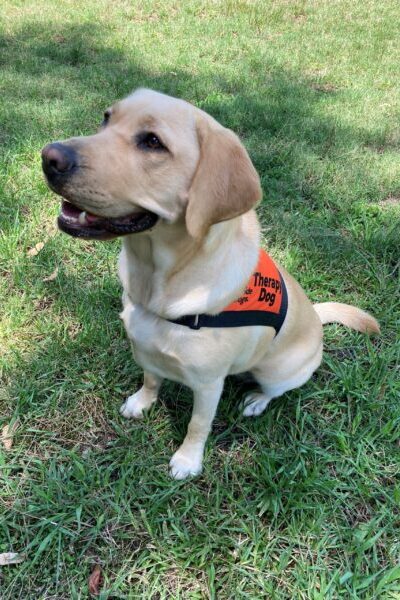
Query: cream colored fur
point(335, 312)
point(197, 259)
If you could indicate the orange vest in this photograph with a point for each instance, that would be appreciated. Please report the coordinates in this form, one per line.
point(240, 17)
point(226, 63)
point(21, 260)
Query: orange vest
point(264, 289)
point(263, 302)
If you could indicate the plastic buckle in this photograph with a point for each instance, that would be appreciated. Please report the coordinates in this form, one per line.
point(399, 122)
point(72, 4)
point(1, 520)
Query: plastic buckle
point(196, 323)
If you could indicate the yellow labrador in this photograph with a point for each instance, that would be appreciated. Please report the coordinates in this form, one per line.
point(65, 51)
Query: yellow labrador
point(181, 189)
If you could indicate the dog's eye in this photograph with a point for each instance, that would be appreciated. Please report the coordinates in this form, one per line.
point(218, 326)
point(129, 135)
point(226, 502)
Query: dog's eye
point(149, 141)
point(107, 116)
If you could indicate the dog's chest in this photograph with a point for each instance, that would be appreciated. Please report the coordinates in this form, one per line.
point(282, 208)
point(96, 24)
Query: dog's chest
point(176, 352)
point(153, 349)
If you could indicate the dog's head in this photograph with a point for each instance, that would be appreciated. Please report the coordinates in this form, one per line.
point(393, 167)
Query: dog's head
point(155, 159)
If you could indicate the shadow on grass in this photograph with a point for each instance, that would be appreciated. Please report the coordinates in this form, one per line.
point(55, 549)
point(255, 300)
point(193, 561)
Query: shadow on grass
point(70, 71)
point(61, 78)
point(60, 81)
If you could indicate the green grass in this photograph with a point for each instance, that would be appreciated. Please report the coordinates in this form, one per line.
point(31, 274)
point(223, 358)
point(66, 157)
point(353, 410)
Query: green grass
point(301, 503)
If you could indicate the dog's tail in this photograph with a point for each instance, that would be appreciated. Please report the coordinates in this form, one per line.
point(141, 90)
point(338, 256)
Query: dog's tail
point(335, 312)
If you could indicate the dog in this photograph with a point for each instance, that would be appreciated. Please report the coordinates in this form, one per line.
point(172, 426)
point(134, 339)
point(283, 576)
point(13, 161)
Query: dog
point(181, 191)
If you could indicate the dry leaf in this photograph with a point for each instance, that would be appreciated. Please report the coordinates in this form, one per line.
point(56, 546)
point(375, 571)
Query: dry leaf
point(10, 558)
point(36, 249)
point(7, 435)
point(95, 581)
point(53, 276)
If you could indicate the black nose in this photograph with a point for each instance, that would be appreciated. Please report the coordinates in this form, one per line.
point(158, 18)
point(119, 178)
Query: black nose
point(58, 159)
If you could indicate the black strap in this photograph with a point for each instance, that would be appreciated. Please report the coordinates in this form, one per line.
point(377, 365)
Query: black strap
point(233, 318)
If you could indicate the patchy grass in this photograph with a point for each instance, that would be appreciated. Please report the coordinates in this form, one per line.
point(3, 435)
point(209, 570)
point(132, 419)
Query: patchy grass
point(300, 503)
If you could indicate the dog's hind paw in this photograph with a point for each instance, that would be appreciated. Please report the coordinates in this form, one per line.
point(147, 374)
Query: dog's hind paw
point(134, 406)
point(254, 404)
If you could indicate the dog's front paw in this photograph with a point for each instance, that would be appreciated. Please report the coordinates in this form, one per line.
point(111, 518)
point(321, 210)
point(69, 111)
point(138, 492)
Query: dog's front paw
point(134, 407)
point(183, 465)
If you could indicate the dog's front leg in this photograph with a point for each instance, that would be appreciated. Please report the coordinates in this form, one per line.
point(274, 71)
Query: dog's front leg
point(188, 459)
point(141, 401)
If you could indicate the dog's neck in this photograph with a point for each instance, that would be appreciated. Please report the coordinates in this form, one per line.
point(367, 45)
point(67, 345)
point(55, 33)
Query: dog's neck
point(172, 275)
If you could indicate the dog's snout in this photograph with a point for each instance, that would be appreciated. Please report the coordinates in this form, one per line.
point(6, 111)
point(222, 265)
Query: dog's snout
point(58, 159)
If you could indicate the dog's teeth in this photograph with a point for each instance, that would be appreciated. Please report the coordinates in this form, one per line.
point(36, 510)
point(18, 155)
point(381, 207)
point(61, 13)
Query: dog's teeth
point(82, 217)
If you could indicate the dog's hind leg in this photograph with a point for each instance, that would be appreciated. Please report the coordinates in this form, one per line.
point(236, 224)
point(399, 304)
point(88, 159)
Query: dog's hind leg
point(142, 400)
point(271, 387)
point(255, 403)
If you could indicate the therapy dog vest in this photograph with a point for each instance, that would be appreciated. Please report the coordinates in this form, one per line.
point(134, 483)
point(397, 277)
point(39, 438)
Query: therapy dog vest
point(263, 302)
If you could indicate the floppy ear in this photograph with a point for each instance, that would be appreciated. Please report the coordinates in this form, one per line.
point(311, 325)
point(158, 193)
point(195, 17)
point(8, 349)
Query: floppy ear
point(225, 184)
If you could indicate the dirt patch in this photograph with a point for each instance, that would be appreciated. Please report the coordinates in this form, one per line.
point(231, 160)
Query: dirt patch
point(390, 201)
point(43, 304)
point(360, 513)
point(324, 88)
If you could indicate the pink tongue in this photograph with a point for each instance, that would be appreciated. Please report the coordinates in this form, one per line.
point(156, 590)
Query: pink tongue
point(92, 218)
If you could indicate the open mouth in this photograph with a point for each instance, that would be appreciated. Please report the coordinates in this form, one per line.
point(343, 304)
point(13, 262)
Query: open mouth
point(82, 224)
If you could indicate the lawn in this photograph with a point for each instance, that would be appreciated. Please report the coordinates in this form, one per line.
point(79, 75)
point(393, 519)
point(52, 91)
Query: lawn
point(301, 503)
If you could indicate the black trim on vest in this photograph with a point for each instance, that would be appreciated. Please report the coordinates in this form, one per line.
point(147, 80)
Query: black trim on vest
point(241, 318)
